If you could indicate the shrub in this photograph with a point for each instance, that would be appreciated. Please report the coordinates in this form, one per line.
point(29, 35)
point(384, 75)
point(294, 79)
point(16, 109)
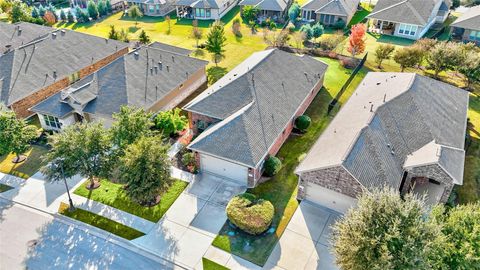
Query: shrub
point(171, 122)
point(188, 160)
point(250, 214)
point(303, 122)
point(236, 26)
point(348, 63)
point(272, 166)
point(308, 30)
point(340, 24)
point(291, 27)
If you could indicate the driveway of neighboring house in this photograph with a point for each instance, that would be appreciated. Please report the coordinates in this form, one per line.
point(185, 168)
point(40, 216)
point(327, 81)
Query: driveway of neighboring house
point(188, 228)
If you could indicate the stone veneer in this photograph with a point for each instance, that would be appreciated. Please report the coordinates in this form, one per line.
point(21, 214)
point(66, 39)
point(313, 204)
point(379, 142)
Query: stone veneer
point(432, 171)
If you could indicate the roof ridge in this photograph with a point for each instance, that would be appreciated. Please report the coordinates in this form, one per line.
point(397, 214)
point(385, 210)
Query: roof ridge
point(386, 8)
point(328, 3)
point(415, 12)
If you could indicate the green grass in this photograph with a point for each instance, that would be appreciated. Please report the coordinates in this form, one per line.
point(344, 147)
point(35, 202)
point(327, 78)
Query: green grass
point(100, 222)
point(211, 265)
point(4, 188)
point(112, 194)
point(474, 115)
point(359, 16)
point(281, 190)
point(27, 168)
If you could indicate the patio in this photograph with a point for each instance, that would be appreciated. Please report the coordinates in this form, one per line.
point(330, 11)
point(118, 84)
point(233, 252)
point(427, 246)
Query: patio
point(382, 27)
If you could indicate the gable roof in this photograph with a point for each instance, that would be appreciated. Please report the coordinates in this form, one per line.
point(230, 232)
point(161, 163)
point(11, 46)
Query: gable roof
point(336, 7)
point(404, 11)
point(15, 35)
point(394, 121)
point(274, 5)
point(254, 103)
point(134, 79)
point(53, 57)
point(469, 19)
point(216, 4)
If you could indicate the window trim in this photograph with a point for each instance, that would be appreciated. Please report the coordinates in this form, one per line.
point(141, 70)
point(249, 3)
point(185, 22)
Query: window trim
point(52, 121)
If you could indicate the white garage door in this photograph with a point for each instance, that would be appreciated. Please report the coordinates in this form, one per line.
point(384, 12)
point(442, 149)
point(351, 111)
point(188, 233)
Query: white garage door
point(329, 198)
point(224, 168)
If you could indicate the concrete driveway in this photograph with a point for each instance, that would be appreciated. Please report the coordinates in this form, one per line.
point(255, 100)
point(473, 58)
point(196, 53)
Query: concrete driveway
point(305, 242)
point(188, 228)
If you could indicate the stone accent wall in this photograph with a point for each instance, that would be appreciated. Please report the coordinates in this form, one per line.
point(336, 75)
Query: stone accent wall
point(22, 106)
point(334, 178)
point(433, 171)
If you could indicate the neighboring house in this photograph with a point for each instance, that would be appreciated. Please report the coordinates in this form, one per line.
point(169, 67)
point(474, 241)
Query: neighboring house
point(407, 18)
point(148, 78)
point(154, 7)
point(467, 26)
point(15, 35)
point(44, 66)
point(273, 9)
point(400, 130)
point(204, 9)
point(246, 116)
point(329, 12)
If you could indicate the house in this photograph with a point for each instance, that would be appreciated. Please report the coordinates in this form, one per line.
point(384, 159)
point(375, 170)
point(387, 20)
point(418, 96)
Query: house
point(246, 116)
point(15, 35)
point(273, 9)
point(407, 18)
point(148, 77)
point(467, 27)
point(204, 9)
point(42, 67)
point(154, 7)
point(400, 130)
point(329, 12)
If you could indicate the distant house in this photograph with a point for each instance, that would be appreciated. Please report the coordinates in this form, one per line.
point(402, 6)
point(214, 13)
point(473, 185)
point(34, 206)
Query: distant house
point(407, 18)
point(154, 7)
point(467, 26)
point(273, 9)
point(204, 9)
point(40, 63)
point(329, 12)
point(148, 78)
point(246, 116)
point(400, 130)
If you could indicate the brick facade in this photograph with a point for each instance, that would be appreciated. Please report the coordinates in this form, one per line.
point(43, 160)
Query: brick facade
point(22, 106)
point(193, 119)
point(433, 171)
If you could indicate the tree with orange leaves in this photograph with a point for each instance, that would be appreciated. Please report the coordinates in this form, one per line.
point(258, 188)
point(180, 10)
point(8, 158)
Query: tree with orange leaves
point(356, 40)
point(49, 18)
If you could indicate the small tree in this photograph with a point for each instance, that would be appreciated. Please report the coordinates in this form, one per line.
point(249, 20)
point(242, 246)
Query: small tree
point(272, 166)
point(145, 169)
point(470, 68)
point(63, 16)
point(293, 12)
point(34, 12)
point(276, 38)
point(317, 30)
point(102, 8)
point(113, 34)
point(123, 35)
point(143, 37)
point(15, 134)
point(383, 52)
point(356, 40)
point(49, 18)
point(170, 122)
point(19, 12)
point(196, 32)
point(41, 11)
point(444, 56)
point(407, 57)
point(249, 13)
point(236, 27)
point(298, 38)
point(130, 124)
point(108, 6)
point(169, 22)
point(307, 29)
point(331, 42)
point(92, 9)
point(303, 122)
point(216, 41)
point(70, 17)
point(134, 12)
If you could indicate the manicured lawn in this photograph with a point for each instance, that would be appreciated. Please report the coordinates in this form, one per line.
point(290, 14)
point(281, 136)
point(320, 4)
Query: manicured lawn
point(210, 265)
point(474, 114)
point(360, 14)
point(281, 189)
point(100, 222)
point(236, 49)
point(4, 188)
point(27, 168)
point(112, 194)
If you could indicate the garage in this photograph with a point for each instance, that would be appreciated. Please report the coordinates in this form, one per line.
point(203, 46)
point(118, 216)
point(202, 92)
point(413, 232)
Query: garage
point(224, 168)
point(329, 198)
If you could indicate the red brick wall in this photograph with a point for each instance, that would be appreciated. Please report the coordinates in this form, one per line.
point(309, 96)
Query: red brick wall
point(21, 107)
point(193, 119)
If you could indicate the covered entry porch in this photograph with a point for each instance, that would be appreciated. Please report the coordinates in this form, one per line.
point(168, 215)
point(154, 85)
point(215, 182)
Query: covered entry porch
point(381, 27)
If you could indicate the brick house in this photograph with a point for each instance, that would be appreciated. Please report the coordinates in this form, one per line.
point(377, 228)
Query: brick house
point(247, 115)
point(42, 67)
point(154, 77)
point(400, 130)
point(467, 27)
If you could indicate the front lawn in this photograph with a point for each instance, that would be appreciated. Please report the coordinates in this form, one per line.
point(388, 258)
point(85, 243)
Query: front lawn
point(112, 194)
point(281, 190)
point(27, 168)
point(100, 222)
point(211, 265)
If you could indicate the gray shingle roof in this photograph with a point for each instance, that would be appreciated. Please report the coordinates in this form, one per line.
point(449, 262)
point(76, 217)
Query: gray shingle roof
point(404, 11)
point(130, 81)
point(419, 118)
point(274, 5)
point(469, 19)
point(30, 68)
point(170, 48)
point(255, 101)
point(336, 7)
point(18, 34)
point(216, 4)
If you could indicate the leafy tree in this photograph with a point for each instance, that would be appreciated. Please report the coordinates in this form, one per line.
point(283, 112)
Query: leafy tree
point(294, 12)
point(63, 16)
point(108, 6)
point(92, 9)
point(216, 41)
point(102, 8)
point(19, 12)
point(123, 36)
point(143, 37)
point(444, 56)
point(249, 13)
point(272, 166)
point(317, 30)
point(385, 231)
point(130, 124)
point(307, 29)
point(134, 12)
point(170, 122)
point(49, 18)
point(145, 169)
point(356, 40)
point(70, 17)
point(15, 134)
point(470, 67)
point(34, 12)
point(383, 52)
point(303, 122)
point(113, 34)
point(83, 148)
point(196, 32)
point(407, 57)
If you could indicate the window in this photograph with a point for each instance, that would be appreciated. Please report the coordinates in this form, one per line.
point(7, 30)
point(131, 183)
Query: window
point(474, 35)
point(52, 122)
point(200, 12)
point(208, 13)
point(408, 29)
point(151, 8)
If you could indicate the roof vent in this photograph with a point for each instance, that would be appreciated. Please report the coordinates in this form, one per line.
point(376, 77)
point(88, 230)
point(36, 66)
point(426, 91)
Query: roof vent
point(392, 153)
point(388, 145)
point(63, 32)
point(371, 108)
point(168, 68)
point(54, 35)
point(136, 55)
point(186, 73)
point(384, 97)
point(378, 83)
point(54, 74)
point(160, 65)
point(173, 59)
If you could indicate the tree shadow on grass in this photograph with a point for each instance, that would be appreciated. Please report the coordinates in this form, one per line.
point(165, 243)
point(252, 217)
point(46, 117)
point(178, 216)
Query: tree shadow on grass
point(215, 73)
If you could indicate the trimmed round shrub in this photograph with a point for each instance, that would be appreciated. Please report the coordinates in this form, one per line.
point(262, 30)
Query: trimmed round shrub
point(303, 122)
point(251, 215)
point(272, 166)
